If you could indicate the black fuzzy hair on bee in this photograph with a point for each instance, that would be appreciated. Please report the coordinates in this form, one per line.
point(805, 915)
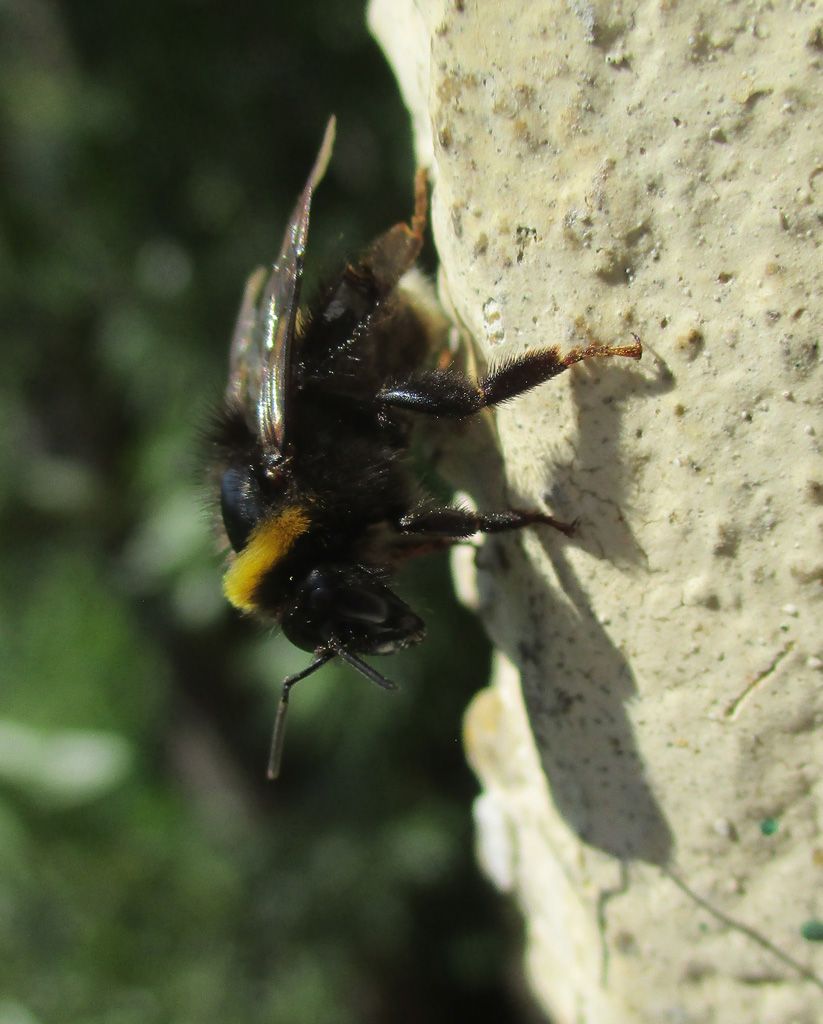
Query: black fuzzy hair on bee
point(318, 496)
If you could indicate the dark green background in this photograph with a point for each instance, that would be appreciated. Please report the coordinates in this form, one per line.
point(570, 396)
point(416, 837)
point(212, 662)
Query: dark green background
point(150, 153)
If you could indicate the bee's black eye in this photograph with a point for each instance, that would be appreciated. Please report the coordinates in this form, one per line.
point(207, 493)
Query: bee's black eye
point(241, 502)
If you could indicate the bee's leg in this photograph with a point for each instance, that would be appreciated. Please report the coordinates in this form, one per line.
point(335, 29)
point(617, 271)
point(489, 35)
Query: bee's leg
point(279, 732)
point(364, 284)
point(414, 547)
point(460, 523)
point(391, 254)
point(443, 393)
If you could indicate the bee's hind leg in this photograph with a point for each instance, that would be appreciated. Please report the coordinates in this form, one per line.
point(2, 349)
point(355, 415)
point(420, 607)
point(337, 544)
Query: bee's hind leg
point(445, 393)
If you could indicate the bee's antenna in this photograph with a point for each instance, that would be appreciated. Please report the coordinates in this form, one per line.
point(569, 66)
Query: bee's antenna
point(365, 669)
point(277, 736)
point(279, 732)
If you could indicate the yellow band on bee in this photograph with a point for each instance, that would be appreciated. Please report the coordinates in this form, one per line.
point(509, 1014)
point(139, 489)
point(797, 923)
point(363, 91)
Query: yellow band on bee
point(268, 544)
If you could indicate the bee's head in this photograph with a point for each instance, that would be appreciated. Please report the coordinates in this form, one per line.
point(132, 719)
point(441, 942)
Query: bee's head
point(348, 606)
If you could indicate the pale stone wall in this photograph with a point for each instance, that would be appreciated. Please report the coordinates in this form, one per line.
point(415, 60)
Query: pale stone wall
point(657, 167)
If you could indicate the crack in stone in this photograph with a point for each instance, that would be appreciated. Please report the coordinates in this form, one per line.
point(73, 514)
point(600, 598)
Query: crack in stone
point(734, 707)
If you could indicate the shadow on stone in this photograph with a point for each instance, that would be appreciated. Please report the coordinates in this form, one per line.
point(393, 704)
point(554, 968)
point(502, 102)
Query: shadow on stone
point(576, 682)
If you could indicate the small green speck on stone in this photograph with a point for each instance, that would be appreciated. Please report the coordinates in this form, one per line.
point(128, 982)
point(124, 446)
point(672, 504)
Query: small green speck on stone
point(812, 930)
point(768, 826)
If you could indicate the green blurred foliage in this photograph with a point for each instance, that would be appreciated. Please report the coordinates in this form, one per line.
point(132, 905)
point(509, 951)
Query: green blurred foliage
point(149, 155)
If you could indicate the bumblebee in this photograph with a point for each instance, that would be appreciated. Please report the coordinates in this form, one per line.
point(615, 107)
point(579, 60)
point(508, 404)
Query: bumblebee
point(319, 500)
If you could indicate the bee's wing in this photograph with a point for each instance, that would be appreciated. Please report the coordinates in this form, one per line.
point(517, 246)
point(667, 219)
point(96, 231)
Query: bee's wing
point(261, 350)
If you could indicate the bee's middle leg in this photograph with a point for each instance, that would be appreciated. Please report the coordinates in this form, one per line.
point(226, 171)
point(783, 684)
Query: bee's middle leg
point(459, 523)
